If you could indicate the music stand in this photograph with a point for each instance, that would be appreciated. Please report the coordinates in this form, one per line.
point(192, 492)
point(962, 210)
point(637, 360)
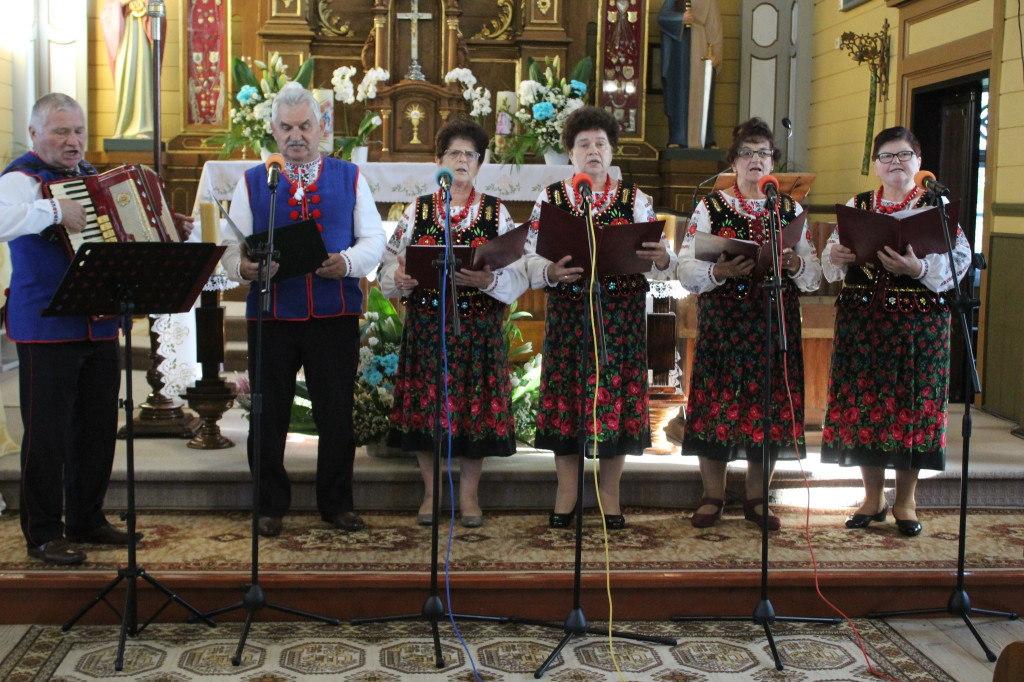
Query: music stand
point(124, 279)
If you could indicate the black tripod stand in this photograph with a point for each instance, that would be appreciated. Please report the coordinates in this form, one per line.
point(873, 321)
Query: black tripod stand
point(253, 598)
point(433, 610)
point(106, 279)
point(964, 302)
point(764, 613)
point(575, 624)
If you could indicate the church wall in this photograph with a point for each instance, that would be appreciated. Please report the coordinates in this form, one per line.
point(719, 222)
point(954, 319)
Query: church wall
point(839, 105)
point(6, 115)
point(102, 99)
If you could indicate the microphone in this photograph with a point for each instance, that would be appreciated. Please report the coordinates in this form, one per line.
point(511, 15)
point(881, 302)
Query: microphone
point(583, 186)
point(788, 125)
point(444, 178)
point(926, 181)
point(769, 186)
point(274, 164)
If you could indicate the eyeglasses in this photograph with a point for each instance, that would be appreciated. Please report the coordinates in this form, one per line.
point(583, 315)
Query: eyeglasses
point(749, 153)
point(887, 157)
point(457, 154)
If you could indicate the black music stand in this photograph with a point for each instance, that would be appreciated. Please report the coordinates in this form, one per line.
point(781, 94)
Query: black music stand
point(144, 278)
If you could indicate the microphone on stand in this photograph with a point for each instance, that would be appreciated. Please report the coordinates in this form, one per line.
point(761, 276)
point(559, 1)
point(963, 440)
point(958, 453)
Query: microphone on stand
point(444, 178)
point(274, 164)
point(926, 181)
point(583, 186)
point(769, 186)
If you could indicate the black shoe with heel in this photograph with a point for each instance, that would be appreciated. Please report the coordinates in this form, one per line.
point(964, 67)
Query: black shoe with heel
point(864, 520)
point(556, 520)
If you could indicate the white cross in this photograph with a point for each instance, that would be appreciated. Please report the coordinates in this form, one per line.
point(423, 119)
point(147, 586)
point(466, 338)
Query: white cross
point(415, 16)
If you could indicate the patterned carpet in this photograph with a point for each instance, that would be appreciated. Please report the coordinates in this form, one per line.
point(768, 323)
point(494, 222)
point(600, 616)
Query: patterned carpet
point(397, 652)
point(655, 540)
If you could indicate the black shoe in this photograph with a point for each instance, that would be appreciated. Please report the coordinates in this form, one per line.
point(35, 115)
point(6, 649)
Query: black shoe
point(57, 552)
point(347, 521)
point(614, 521)
point(864, 520)
point(556, 520)
point(104, 535)
point(908, 528)
point(269, 526)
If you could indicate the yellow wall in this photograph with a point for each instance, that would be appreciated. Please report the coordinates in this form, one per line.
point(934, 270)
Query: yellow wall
point(6, 125)
point(839, 102)
point(102, 100)
point(1008, 103)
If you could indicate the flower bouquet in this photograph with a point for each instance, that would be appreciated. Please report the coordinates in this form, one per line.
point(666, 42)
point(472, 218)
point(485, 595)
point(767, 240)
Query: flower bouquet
point(479, 98)
point(347, 94)
point(250, 120)
point(544, 104)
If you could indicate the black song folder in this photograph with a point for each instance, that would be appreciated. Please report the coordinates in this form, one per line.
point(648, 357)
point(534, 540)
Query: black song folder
point(299, 245)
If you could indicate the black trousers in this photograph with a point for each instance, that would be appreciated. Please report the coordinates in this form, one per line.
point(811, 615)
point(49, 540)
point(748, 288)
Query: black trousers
point(328, 350)
point(69, 409)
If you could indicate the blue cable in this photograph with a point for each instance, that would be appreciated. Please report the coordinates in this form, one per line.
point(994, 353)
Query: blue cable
point(448, 413)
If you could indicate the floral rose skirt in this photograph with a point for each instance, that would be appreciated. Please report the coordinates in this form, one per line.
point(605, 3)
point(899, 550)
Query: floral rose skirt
point(623, 424)
point(887, 390)
point(479, 392)
point(725, 414)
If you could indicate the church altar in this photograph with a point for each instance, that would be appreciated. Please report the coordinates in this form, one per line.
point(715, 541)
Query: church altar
point(398, 182)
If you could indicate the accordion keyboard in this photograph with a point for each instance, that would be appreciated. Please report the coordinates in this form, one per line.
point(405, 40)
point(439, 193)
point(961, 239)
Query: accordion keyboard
point(97, 227)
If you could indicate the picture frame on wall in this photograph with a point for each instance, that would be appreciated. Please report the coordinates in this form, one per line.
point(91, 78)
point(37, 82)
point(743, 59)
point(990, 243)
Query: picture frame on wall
point(847, 5)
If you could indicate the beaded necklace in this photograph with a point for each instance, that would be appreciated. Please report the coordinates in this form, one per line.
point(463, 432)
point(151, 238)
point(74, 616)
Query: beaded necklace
point(458, 217)
point(601, 201)
point(748, 207)
point(892, 208)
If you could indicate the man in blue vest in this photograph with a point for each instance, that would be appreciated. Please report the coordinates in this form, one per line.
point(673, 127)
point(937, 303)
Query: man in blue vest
point(69, 367)
point(313, 321)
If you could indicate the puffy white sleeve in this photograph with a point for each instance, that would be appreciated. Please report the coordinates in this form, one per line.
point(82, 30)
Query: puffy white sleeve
point(643, 212)
point(395, 248)
point(510, 281)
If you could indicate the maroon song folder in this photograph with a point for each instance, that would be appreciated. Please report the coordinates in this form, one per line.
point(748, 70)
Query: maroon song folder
point(708, 247)
point(866, 232)
point(496, 253)
point(564, 234)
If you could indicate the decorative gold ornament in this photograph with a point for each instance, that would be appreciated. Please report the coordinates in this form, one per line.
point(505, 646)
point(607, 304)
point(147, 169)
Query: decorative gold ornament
point(501, 27)
point(415, 114)
point(543, 6)
point(329, 22)
point(874, 49)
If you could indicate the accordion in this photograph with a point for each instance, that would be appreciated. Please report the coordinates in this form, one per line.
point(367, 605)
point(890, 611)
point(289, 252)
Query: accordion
point(126, 204)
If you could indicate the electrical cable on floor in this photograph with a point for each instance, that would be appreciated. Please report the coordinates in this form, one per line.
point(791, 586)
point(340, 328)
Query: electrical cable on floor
point(807, 487)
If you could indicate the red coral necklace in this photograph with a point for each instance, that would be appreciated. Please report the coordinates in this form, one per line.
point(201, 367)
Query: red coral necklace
point(748, 207)
point(602, 200)
point(892, 208)
point(458, 217)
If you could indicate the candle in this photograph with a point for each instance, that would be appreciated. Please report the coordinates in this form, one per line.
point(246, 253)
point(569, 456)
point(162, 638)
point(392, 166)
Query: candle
point(210, 222)
point(505, 101)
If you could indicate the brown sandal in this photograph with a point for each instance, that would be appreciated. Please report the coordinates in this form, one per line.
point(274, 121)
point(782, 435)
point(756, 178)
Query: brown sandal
point(708, 520)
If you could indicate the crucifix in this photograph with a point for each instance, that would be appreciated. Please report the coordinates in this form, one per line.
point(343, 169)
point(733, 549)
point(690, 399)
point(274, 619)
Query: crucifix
point(415, 73)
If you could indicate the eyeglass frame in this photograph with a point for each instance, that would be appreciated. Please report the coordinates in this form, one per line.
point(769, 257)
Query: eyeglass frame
point(456, 154)
point(745, 153)
point(895, 155)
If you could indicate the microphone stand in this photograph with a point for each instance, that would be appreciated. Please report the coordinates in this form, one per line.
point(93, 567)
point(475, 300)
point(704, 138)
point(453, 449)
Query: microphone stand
point(433, 609)
point(963, 301)
point(696, 190)
point(764, 613)
point(254, 598)
point(575, 624)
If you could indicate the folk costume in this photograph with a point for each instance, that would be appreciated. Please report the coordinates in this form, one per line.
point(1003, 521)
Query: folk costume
point(479, 392)
point(725, 419)
point(313, 322)
point(888, 388)
point(69, 367)
point(623, 422)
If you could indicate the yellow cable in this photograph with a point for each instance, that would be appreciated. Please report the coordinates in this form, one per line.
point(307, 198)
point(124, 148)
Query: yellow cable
point(597, 484)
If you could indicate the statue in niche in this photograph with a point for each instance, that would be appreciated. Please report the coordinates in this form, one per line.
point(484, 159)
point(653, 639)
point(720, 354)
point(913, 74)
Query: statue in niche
point(691, 35)
point(129, 39)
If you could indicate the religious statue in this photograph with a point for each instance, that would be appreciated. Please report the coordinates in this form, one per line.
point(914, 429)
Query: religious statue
point(128, 36)
point(691, 51)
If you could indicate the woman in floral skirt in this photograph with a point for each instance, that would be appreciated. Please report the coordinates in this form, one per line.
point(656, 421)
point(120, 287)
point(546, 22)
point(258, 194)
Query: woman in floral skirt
point(890, 362)
point(725, 415)
point(478, 387)
point(589, 136)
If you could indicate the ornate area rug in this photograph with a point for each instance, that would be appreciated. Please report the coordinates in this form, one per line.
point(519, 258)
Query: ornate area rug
point(397, 652)
point(656, 540)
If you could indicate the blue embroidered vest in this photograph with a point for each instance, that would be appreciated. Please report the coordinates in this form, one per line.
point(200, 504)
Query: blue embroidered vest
point(330, 200)
point(39, 265)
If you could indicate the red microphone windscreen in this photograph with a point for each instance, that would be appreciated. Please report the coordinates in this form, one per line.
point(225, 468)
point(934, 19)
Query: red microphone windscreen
point(581, 178)
point(274, 159)
point(767, 180)
point(921, 176)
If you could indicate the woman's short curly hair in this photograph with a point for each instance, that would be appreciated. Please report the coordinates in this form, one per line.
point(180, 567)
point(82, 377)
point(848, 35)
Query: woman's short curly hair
point(465, 128)
point(589, 118)
point(891, 135)
point(754, 130)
